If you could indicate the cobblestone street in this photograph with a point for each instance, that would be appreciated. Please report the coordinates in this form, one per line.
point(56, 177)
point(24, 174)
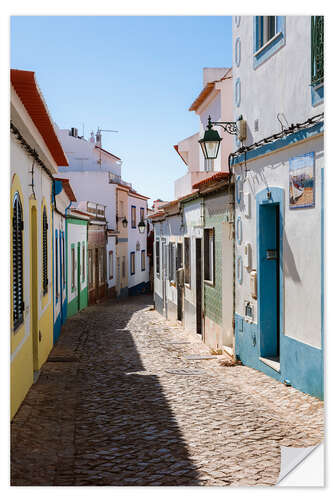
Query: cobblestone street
point(119, 403)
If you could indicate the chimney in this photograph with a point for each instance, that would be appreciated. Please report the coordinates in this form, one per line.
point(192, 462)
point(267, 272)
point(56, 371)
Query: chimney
point(73, 132)
point(98, 138)
point(92, 138)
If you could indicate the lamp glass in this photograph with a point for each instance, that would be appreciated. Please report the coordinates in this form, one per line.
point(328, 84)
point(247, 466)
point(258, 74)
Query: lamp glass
point(141, 227)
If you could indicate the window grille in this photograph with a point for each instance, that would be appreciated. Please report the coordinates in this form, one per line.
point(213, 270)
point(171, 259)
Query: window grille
point(157, 252)
point(143, 260)
point(317, 50)
point(45, 228)
point(18, 304)
point(132, 262)
point(187, 261)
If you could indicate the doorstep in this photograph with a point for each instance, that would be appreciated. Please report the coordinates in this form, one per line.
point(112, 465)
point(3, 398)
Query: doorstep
point(273, 362)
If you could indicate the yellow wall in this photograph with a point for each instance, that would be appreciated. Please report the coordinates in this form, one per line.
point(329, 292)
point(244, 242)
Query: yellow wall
point(23, 358)
point(21, 369)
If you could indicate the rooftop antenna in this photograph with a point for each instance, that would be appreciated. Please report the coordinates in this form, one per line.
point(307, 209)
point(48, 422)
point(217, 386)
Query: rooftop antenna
point(99, 140)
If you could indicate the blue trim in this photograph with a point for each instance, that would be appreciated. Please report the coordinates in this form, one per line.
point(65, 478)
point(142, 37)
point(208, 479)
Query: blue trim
point(239, 230)
point(238, 190)
point(272, 46)
point(280, 143)
point(140, 288)
point(56, 265)
point(237, 51)
point(133, 227)
point(237, 92)
point(57, 187)
point(276, 198)
point(317, 95)
point(301, 364)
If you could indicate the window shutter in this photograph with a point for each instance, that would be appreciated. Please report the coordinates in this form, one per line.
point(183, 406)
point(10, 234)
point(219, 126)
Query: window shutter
point(17, 256)
point(45, 228)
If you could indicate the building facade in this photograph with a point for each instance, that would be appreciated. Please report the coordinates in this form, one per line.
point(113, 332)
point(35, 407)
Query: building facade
point(35, 156)
point(76, 265)
point(138, 262)
point(63, 197)
point(279, 189)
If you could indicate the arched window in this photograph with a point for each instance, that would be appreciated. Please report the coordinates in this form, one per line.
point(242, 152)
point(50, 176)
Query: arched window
point(45, 228)
point(18, 303)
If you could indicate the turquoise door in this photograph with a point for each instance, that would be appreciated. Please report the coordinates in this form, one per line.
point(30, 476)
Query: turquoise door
point(269, 279)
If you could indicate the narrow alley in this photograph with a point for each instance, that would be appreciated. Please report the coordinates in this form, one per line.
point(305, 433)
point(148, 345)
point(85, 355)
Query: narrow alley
point(120, 402)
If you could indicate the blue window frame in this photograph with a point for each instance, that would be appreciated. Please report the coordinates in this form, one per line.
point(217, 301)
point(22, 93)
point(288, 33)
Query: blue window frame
point(132, 262)
point(56, 265)
point(133, 216)
point(268, 37)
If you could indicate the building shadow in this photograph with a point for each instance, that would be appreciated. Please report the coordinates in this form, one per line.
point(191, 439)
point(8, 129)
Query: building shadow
point(111, 422)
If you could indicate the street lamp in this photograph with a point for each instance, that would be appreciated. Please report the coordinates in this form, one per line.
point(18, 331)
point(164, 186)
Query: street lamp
point(141, 226)
point(124, 222)
point(210, 143)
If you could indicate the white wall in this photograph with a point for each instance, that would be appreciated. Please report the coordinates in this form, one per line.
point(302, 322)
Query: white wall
point(77, 233)
point(281, 84)
point(301, 244)
point(135, 236)
point(111, 246)
point(94, 186)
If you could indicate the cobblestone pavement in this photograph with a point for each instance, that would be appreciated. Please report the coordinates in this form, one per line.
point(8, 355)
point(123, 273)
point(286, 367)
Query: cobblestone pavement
point(107, 409)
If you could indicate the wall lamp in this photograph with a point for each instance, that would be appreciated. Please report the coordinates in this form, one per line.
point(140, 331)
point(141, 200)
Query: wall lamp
point(210, 143)
point(124, 222)
point(141, 226)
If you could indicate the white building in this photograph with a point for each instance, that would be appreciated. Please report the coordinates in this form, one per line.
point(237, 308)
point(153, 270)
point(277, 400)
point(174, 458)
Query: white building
point(138, 262)
point(279, 89)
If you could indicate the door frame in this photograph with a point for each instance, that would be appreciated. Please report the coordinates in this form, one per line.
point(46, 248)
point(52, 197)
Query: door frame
point(276, 197)
point(78, 274)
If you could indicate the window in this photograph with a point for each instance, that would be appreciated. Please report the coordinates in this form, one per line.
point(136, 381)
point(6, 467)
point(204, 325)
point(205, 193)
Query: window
point(18, 304)
point(317, 50)
point(45, 228)
point(133, 216)
point(110, 264)
point(209, 254)
point(90, 269)
point(187, 261)
point(83, 262)
point(56, 265)
point(132, 262)
point(142, 214)
point(63, 261)
point(269, 36)
point(209, 165)
point(157, 254)
point(73, 265)
point(172, 262)
point(143, 260)
point(267, 29)
point(123, 267)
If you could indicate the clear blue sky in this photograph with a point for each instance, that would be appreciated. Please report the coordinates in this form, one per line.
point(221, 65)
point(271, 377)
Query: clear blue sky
point(138, 75)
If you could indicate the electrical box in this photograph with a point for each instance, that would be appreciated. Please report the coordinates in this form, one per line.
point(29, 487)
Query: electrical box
point(253, 283)
point(242, 127)
point(180, 276)
point(247, 255)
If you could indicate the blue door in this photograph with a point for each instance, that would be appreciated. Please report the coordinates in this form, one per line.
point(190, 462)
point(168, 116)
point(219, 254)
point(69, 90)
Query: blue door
point(269, 279)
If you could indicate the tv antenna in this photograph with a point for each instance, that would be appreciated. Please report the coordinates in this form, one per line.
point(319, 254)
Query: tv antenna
point(99, 140)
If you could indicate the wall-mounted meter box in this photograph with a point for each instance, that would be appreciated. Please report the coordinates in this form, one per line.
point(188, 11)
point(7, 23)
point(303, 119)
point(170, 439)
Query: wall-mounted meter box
point(253, 283)
point(247, 255)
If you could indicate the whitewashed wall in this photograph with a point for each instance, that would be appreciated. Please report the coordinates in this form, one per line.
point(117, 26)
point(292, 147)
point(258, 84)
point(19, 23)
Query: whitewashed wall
point(135, 236)
point(281, 84)
point(301, 244)
point(77, 233)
